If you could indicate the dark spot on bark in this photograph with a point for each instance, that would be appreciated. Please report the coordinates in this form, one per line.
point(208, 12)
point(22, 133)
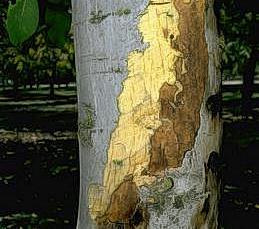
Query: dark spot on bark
point(217, 8)
point(159, 3)
point(214, 105)
point(144, 172)
point(178, 202)
point(216, 164)
point(137, 218)
point(173, 44)
point(206, 173)
point(206, 206)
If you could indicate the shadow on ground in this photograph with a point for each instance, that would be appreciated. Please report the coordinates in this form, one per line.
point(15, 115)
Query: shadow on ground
point(239, 205)
point(39, 175)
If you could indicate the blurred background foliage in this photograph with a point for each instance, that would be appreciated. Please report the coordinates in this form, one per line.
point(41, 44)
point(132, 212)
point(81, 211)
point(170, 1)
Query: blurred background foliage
point(236, 20)
point(39, 171)
point(236, 49)
point(46, 57)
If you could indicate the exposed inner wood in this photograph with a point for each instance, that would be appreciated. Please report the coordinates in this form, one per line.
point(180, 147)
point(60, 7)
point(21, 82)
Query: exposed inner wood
point(123, 203)
point(180, 122)
point(159, 107)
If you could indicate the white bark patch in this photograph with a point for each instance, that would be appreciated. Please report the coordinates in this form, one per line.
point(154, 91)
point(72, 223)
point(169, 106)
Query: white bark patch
point(101, 61)
point(178, 207)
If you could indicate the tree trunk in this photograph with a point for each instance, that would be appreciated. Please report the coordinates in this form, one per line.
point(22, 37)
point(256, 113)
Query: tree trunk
point(249, 71)
point(15, 84)
point(52, 79)
point(248, 83)
point(51, 87)
point(3, 81)
point(30, 75)
point(149, 127)
point(37, 78)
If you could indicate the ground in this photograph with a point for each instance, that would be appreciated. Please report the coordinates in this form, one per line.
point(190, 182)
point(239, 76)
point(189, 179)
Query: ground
point(39, 176)
point(240, 197)
point(239, 206)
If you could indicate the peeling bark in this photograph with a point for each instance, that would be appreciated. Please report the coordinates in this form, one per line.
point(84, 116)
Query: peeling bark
point(146, 69)
point(182, 120)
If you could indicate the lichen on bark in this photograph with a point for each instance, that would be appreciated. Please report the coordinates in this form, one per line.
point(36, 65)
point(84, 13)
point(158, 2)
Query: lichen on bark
point(86, 125)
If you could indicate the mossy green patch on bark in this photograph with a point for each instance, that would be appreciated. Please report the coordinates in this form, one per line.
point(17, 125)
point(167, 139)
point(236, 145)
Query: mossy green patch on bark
point(122, 11)
point(98, 17)
point(86, 125)
point(117, 70)
point(117, 162)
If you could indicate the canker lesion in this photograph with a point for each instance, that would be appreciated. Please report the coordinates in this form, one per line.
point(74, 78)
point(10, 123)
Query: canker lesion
point(116, 200)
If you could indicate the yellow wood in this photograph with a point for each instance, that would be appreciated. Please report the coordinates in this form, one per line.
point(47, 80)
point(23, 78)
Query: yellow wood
point(138, 103)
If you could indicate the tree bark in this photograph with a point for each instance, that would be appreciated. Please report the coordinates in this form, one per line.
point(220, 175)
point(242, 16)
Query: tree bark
point(249, 70)
point(3, 81)
point(15, 79)
point(148, 80)
point(51, 87)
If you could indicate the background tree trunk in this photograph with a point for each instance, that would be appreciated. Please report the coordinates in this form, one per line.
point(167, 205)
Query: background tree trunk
point(149, 128)
point(51, 87)
point(15, 79)
point(250, 69)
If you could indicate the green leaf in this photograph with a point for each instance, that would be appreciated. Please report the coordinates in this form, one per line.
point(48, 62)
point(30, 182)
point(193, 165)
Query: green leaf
point(59, 23)
point(22, 20)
